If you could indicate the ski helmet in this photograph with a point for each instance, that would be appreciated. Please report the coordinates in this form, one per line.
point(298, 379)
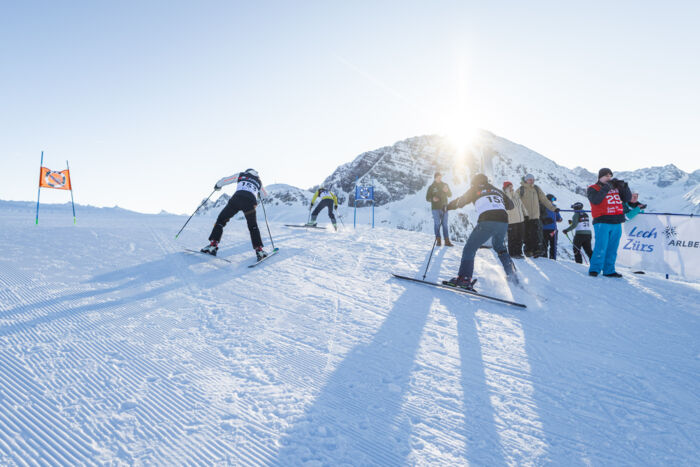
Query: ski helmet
point(551, 197)
point(479, 179)
point(252, 172)
point(577, 206)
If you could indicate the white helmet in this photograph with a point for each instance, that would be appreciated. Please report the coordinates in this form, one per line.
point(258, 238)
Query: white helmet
point(252, 172)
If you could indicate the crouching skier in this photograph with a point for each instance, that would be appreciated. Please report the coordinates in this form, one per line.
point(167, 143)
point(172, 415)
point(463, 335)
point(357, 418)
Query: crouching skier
point(328, 200)
point(491, 204)
point(244, 199)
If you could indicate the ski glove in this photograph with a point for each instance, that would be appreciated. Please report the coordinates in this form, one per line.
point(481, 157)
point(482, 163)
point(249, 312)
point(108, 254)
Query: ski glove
point(217, 187)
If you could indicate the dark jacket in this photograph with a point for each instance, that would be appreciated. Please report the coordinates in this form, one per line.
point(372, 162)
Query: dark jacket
point(438, 190)
point(484, 191)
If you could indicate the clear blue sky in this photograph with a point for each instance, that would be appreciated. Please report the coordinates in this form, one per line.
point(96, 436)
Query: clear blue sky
point(153, 101)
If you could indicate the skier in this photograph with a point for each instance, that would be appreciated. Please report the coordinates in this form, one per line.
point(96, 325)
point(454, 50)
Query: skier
point(328, 200)
point(607, 196)
point(516, 222)
point(531, 195)
point(491, 204)
point(244, 199)
point(437, 194)
point(550, 233)
point(580, 223)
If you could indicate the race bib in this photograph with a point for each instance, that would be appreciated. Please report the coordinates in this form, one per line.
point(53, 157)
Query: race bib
point(247, 184)
point(583, 223)
point(489, 202)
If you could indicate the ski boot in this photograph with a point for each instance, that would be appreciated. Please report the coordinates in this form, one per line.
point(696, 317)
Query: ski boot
point(260, 253)
point(311, 223)
point(211, 249)
point(462, 282)
point(335, 226)
point(512, 279)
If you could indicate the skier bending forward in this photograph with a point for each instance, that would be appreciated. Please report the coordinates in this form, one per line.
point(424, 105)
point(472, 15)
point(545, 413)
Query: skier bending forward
point(244, 199)
point(491, 205)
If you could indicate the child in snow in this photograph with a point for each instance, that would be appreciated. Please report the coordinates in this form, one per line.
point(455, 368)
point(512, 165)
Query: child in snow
point(491, 204)
point(581, 225)
point(244, 199)
point(328, 200)
point(550, 233)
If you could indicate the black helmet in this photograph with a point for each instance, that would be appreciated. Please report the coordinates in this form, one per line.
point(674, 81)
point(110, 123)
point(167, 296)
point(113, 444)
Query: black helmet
point(577, 206)
point(252, 172)
point(479, 179)
point(551, 197)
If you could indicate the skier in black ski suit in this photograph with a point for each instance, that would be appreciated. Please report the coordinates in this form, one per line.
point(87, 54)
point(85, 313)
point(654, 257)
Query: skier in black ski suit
point(244, 199)
point(491, 204)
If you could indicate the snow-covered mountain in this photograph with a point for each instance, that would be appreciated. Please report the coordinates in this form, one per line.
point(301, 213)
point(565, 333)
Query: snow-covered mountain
point(401, 174)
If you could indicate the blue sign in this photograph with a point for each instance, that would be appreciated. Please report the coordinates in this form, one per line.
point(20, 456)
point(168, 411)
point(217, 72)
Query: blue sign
point(364, 192)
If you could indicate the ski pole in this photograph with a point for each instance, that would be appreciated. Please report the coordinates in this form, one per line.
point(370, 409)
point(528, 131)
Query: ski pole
point(268, 225)
point(195, 212)
point(341, 219)
point(577, 249)
point(442, 214)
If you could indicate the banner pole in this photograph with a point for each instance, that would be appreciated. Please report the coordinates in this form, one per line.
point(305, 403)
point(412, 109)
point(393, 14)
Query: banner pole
point(39, 189)
point(71, 191)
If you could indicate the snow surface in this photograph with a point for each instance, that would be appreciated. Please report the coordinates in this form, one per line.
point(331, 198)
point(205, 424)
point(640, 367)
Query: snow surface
point(118, 347)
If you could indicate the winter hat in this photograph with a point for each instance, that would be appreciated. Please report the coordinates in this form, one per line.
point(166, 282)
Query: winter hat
point(507, 184)
point(604, 171)
point(479, 179)
point(529, 177)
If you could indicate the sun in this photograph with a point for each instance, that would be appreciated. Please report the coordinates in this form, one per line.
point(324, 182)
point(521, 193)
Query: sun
point(462, 138)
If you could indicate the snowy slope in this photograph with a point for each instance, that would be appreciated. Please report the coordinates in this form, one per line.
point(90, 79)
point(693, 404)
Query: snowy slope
point(118, 347)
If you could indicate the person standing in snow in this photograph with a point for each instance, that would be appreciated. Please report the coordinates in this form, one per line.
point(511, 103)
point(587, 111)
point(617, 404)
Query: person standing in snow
point(328, 200)
point(531, 196)
point(516, 222)
point(491, 204)
point(580, 224)
point(244, 199)
point(437, 195)
point(607, 197)
point(550, 233)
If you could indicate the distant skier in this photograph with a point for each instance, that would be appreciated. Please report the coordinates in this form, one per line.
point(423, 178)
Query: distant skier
point(491, 204)
point(516, 222)
point(244, 199)
point(328, 200)
point(437, 195)
point(581, 225)
point(607, 196)
point(550, 233)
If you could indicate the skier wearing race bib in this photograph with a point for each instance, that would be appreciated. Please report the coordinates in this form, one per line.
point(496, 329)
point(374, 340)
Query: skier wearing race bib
point(607, 196)
point(248, 187)
point(328, 200)
point(491, 204)
point(581, 225)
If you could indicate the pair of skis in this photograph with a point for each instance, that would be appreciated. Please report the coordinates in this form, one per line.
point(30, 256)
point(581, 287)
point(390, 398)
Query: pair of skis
point(272, 253)
point(305, 226)
point(461, 290)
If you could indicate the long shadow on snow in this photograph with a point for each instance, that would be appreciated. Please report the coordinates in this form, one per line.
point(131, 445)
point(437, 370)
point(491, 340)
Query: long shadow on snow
point(357, 419)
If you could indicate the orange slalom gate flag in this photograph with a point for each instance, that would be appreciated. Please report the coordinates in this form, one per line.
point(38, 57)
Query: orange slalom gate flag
point(58, 180)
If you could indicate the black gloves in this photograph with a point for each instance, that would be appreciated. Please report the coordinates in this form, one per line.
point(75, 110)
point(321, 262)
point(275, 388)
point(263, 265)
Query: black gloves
point(217, 187)
point(556, 209)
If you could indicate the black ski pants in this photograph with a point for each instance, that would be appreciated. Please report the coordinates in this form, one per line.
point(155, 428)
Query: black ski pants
point(550, 238)
point(240, 201)
point(582, 242)
point(533, 237)
point(325, 203)
point(516, 236)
